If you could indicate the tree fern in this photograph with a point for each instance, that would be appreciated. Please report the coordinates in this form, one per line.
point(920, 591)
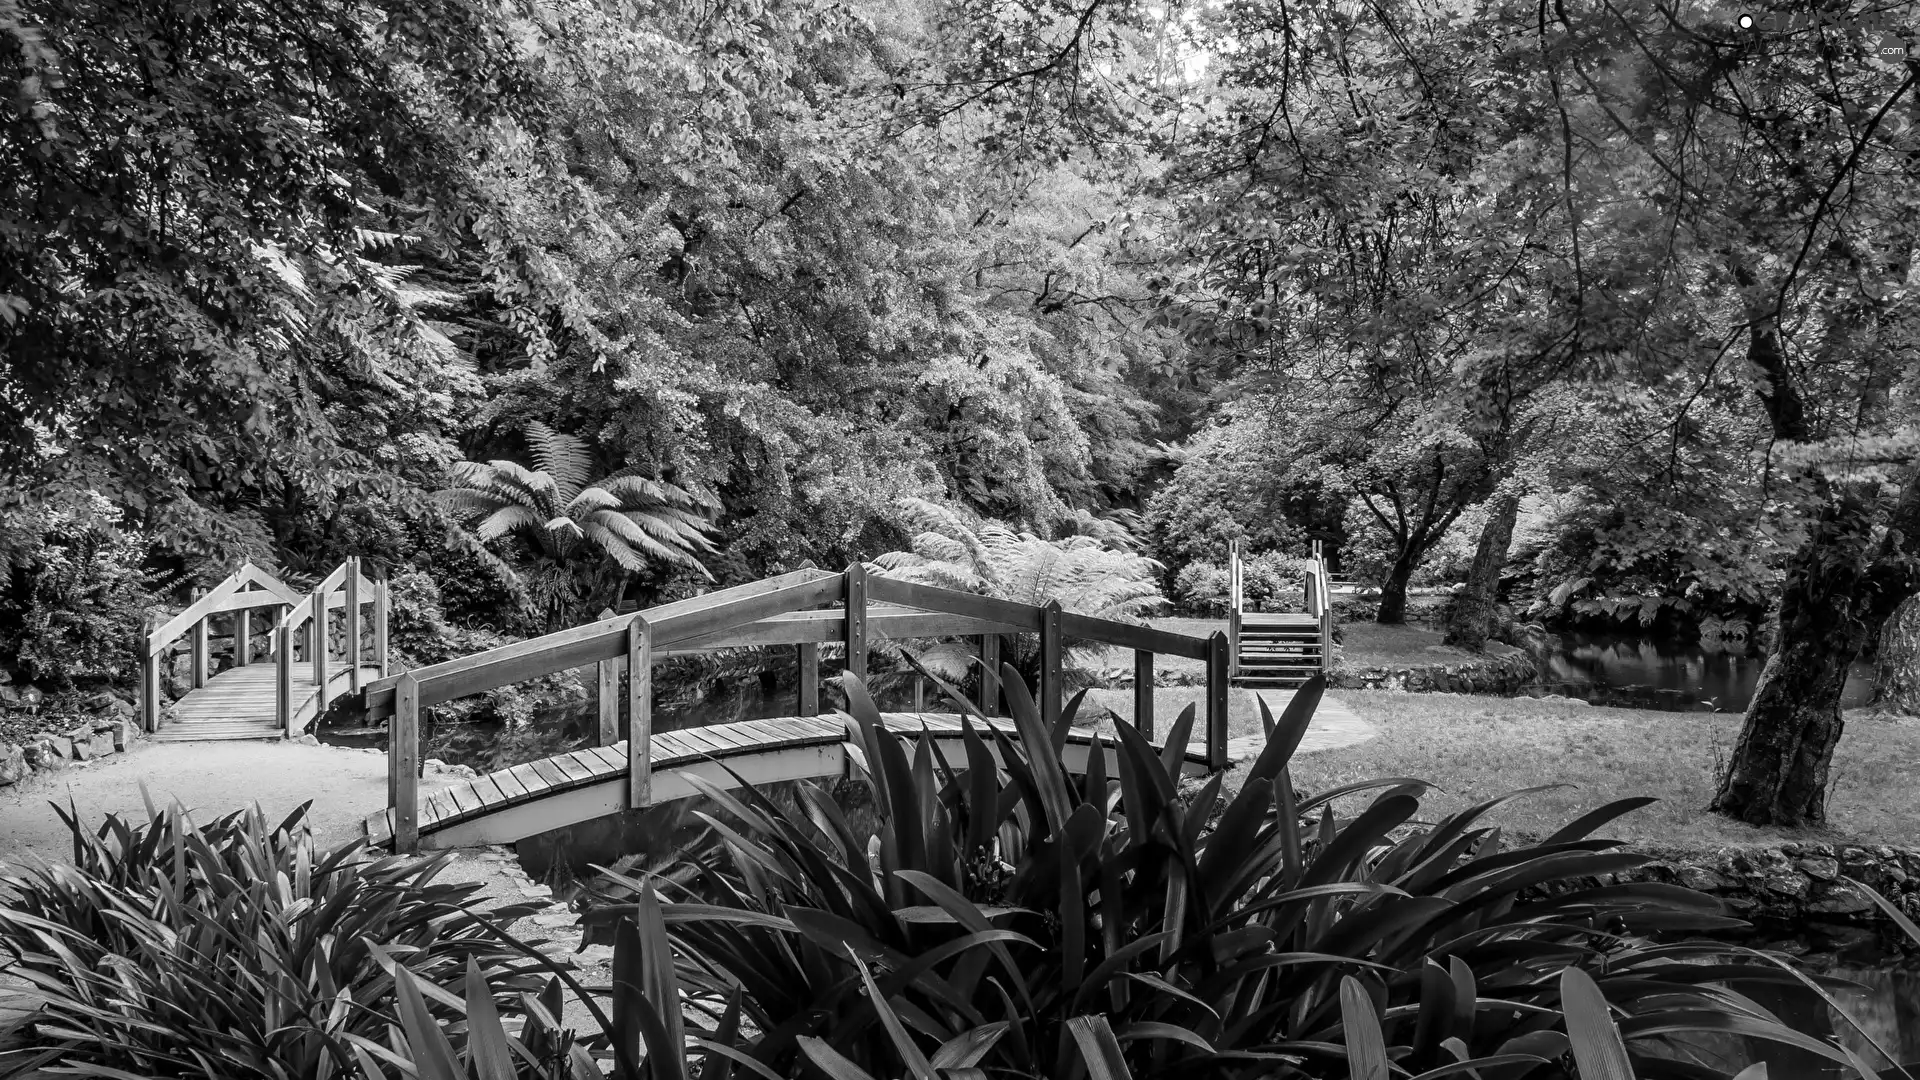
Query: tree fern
point(1086, 576)
point(622, 525)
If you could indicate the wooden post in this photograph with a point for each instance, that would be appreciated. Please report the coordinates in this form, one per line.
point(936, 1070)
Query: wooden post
point(243, 637)
point(857, 621)
point(1217, 701)
point(640, 713)
point(1051, 683)
point(1236, 593)
point(809, 657)
point(318, 646)
point(919, 692)
point(609, 695)
point(352, 643)
point(283, 678)
point(403, 765)
point(149, 676)
point(990, 674)
point(1143, 692)
point(199, 640)
point(380, 624)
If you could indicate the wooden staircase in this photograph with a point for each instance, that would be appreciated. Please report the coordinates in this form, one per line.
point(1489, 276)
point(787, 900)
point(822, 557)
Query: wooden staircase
point(1279, 650)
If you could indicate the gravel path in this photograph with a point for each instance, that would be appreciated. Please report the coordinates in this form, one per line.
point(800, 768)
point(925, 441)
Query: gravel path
point(209, 778)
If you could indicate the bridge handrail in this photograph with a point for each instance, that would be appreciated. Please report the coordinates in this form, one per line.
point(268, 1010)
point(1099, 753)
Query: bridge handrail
point(242, 591)
point(638, 637)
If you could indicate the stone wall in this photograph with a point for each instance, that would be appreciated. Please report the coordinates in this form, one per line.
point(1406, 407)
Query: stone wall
point(110, 731)
point(1507, 675)
point(1791, 881)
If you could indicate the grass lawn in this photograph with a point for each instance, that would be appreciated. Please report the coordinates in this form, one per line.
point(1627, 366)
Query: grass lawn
point(1363, 644)
point(1476, 748)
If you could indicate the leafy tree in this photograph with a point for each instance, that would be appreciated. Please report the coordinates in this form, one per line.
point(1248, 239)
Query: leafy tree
point(172, 168)
point(606, 530)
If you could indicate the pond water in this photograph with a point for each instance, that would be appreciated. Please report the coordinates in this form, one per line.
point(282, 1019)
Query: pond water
point(1678, 676)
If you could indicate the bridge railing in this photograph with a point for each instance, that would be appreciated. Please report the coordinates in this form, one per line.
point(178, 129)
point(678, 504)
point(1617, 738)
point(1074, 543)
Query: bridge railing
point(237, 596)
point(1318, 593)
point(308, 623)
point(775, 611)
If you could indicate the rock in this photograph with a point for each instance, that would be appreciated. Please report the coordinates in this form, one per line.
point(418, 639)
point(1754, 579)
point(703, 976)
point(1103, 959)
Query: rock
point(121, 732)
point(1820, 867)
point(1785, 882)
point(1701, 879)
point(109, 704)
point(21, 697)
point(1841, 900)
point(43, 752)
point(308, 740)
point(13, 764)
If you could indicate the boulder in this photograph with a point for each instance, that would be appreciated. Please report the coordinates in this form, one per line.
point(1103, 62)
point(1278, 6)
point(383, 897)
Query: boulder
point(1820, 867)
point(21, 697)
point(109, 705)
point(121, 731)
point(13, 764)
point(45, 751)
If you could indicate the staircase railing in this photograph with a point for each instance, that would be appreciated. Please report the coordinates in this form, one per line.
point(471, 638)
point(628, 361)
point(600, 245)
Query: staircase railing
point(347, 590)
point(239, 594)
point(1319, 602)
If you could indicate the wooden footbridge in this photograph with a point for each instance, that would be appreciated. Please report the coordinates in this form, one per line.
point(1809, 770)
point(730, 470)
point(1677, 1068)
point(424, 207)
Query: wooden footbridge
point(314, 647)
point(803, 609)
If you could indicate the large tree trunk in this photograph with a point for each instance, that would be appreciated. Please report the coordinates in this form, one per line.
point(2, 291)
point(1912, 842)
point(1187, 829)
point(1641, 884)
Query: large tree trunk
point(1838, 590)
point(1393, 594)
point(1471, 621)
point(1896, 684)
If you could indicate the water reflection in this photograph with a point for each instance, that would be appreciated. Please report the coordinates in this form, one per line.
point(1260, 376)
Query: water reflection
point(1618, 669)
point(1881, 1021)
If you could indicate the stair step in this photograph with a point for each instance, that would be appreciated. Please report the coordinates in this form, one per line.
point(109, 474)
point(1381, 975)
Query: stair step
point(1279, 682)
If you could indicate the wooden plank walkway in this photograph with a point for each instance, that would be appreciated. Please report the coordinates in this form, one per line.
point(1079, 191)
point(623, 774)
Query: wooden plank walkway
point(239, 703)
point(512, 804)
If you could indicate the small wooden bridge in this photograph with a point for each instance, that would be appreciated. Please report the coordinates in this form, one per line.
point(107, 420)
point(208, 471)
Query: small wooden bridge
point(275, 682)
point(803, 609)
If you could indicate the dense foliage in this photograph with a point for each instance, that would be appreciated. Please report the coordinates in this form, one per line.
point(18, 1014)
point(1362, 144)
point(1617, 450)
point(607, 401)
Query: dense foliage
point(235, 948)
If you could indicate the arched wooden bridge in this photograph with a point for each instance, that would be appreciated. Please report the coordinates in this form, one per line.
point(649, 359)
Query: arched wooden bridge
point(274, 683)
point(803, 609)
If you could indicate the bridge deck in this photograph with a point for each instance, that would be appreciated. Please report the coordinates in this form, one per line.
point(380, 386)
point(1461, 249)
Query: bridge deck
point(239, 703)
point(528, 799)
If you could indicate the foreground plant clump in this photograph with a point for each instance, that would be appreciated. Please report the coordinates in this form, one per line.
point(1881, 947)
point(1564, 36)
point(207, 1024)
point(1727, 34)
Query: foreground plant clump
point(233, 949)
point(1005, 916)
point(1012, 917)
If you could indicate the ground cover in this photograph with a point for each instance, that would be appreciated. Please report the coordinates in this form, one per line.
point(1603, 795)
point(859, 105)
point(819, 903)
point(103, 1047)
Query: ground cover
point(1475, 748)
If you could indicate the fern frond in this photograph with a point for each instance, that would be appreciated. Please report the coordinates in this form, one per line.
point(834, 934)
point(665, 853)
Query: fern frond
point(567, 459)
point(505, 520)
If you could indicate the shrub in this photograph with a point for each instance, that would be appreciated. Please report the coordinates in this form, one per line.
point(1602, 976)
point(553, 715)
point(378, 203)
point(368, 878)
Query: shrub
point(1270, 581)
point(77, 593)
point(1031, 918)
point(234, 949)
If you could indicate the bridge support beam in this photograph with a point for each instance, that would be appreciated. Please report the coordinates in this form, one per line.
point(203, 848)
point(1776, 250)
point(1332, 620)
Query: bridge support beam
point(352, 643)
point(990, 674)
point(318, 645)
point(1218, 682)
point(857, 621)
point(640, 713)
point(809, 657)
point(609, 694)
point(199, 646)
point(149, 676)
point(243, 637)
point(403, 765)
point(380, 624)
point(1051, 664)
point(1143, 693)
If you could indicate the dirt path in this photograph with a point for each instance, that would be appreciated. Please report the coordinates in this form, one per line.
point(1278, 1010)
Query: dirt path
point(211, 779)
